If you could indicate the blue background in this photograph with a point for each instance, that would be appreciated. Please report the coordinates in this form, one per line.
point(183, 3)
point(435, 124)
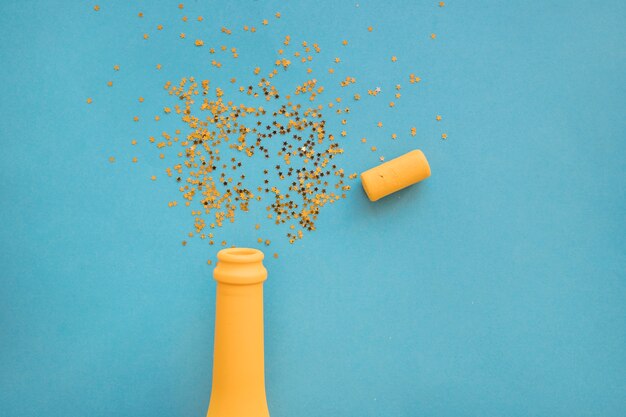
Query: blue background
point(495, 288)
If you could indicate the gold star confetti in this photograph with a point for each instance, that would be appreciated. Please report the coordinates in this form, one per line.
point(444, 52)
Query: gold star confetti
point(111, 159)
point(444, 136)
point(433, 36)
point(96, 8)
point(441, 4)
point(116, 67)
point(304, 178)
point(438, 118)
point(145, 36)
point(89, 100)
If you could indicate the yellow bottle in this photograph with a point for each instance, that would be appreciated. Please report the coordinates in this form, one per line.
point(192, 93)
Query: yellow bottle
point(238, 358)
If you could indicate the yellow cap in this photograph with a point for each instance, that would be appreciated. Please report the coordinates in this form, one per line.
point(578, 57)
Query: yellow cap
point(399, 173)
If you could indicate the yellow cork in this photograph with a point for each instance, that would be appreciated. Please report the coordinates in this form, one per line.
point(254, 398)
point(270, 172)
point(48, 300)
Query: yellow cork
point(399, 173)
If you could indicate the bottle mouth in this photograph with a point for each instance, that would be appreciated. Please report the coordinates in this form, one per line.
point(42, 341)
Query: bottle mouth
point(240, 255)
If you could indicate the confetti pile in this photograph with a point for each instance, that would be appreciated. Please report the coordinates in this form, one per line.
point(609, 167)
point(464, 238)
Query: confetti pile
point(297, 190)
point(285, 133)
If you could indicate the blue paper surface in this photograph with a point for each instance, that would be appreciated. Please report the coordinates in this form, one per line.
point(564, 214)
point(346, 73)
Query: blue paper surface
point(496, 287)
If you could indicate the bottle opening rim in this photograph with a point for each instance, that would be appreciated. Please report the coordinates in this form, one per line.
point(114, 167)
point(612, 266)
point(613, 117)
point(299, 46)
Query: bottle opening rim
point(240, 255)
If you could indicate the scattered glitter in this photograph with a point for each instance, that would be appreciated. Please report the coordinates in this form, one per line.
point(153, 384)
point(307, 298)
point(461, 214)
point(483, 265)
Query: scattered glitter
point(212, 171)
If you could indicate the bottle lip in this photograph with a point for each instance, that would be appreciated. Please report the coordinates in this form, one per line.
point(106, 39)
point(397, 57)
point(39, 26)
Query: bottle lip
point(240, 255)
